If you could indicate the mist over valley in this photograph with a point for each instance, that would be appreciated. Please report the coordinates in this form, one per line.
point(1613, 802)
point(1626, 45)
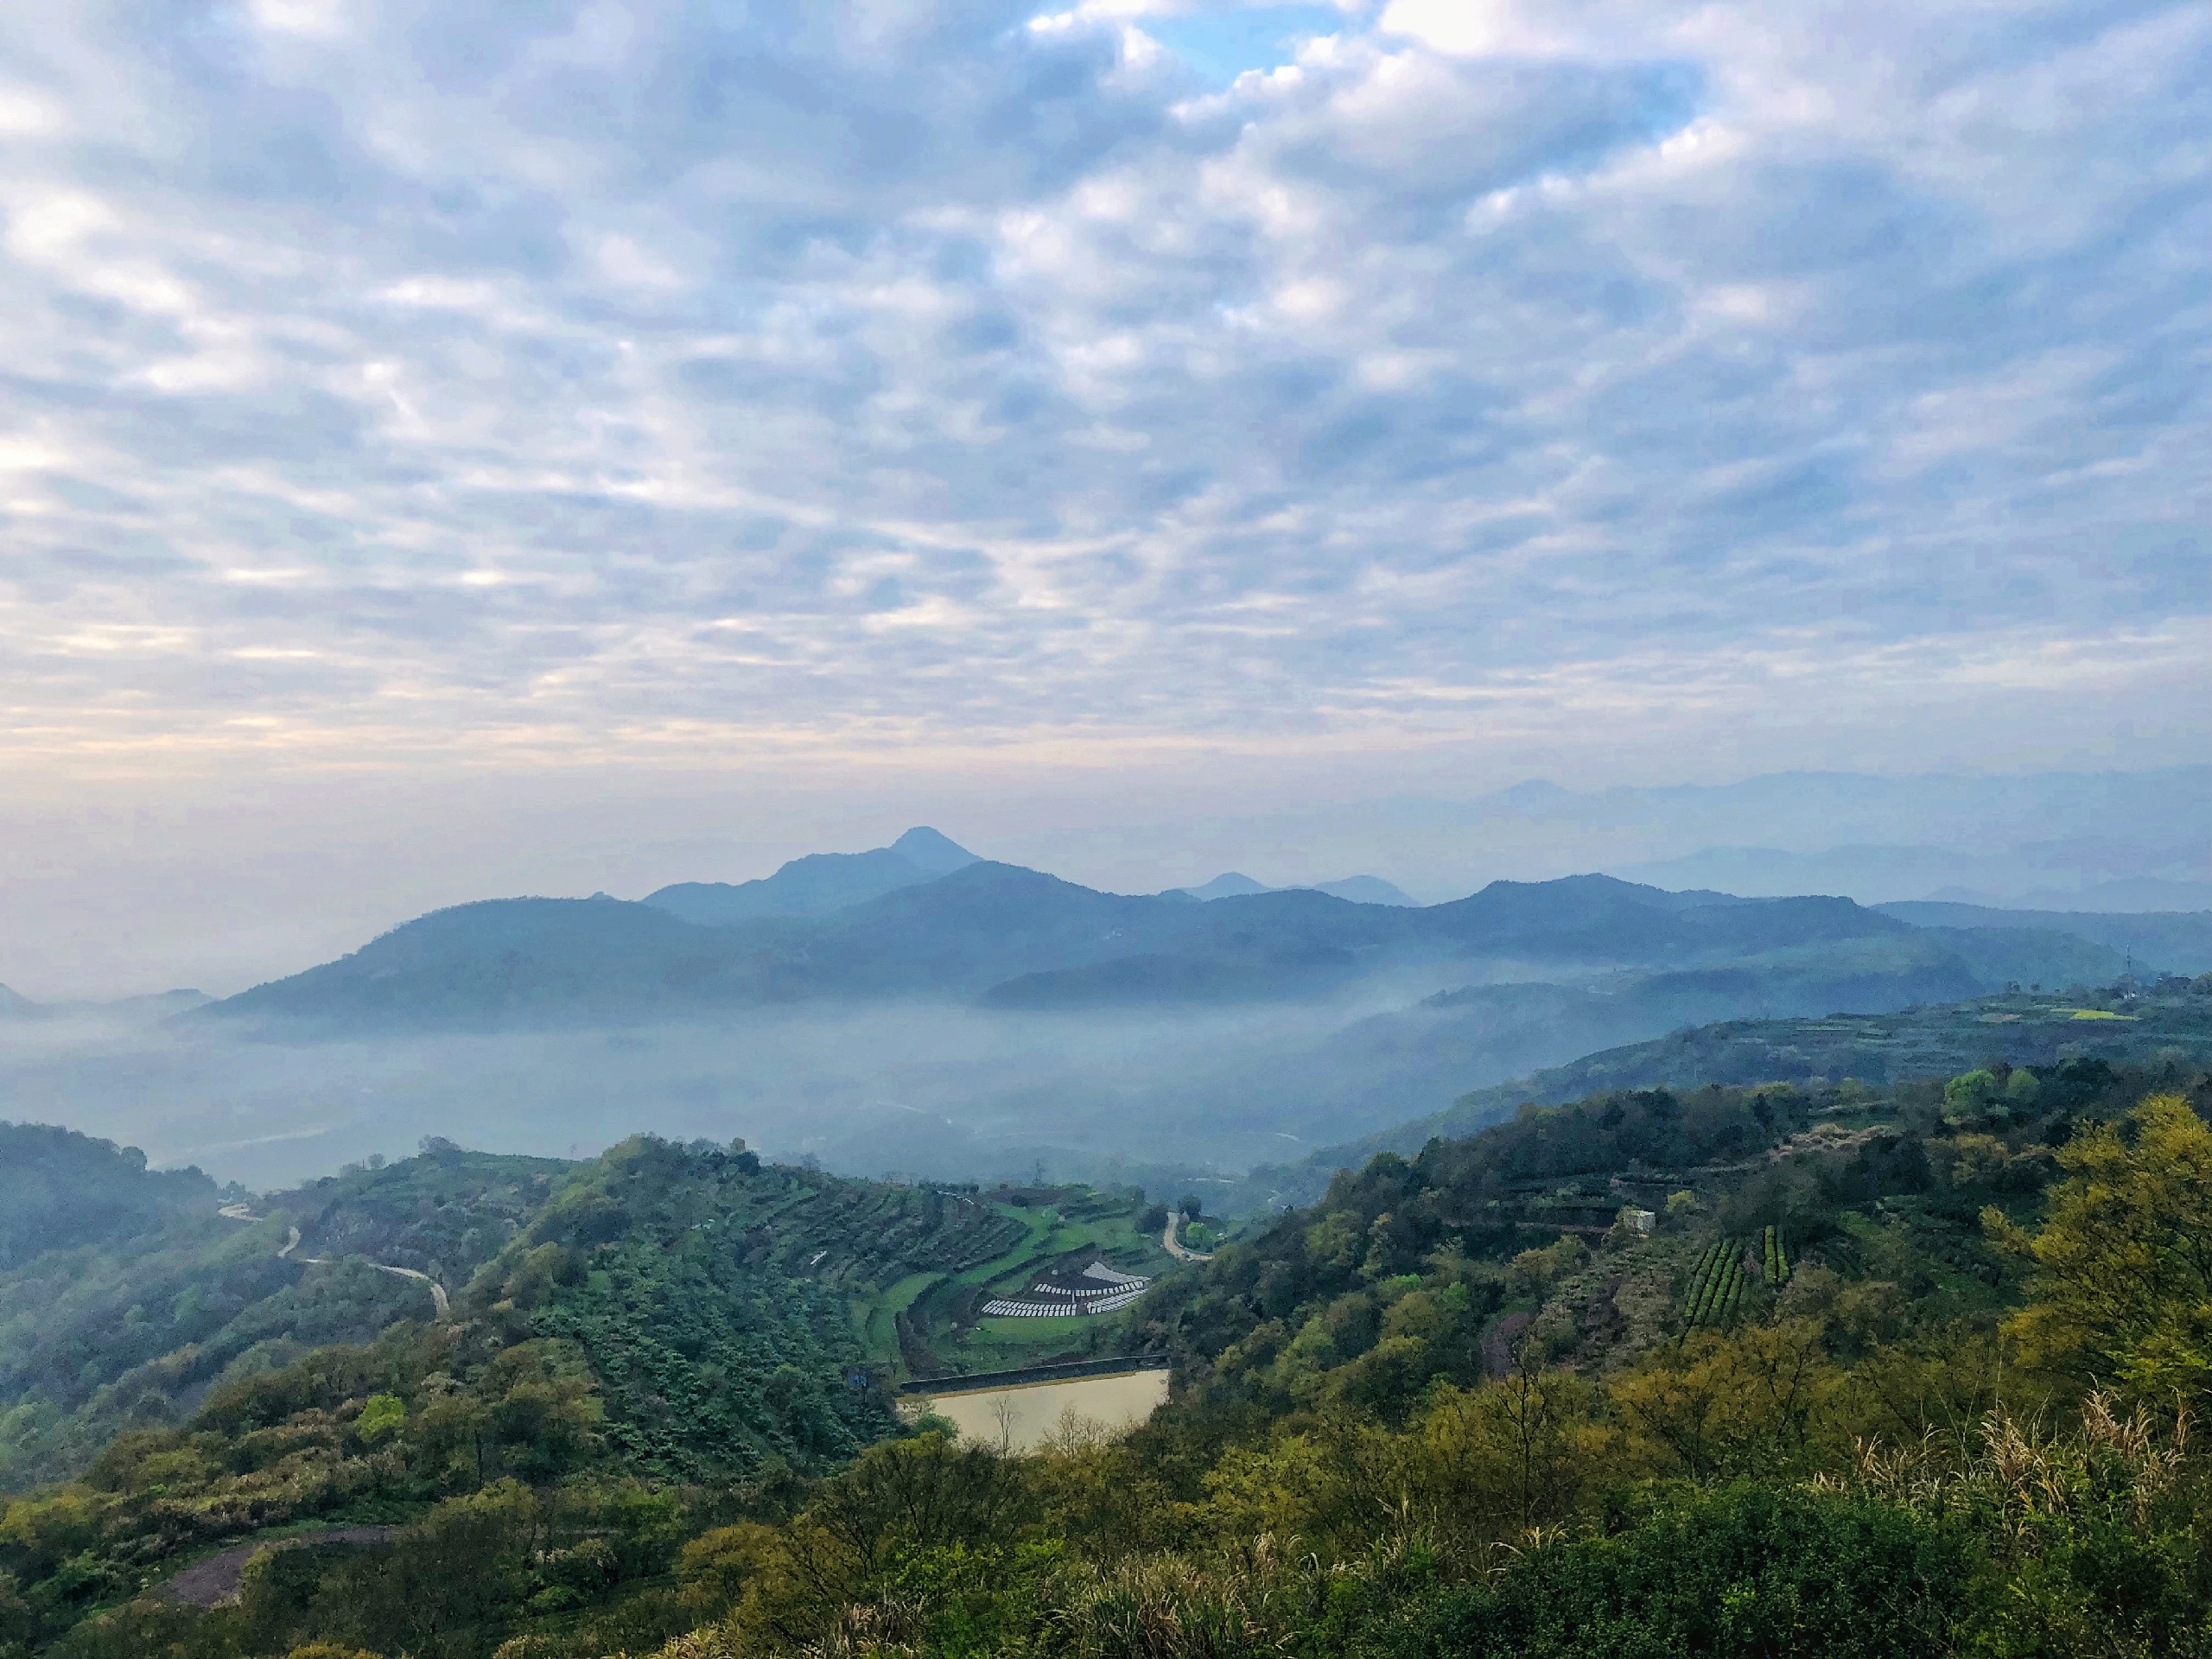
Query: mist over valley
point(916, 1010)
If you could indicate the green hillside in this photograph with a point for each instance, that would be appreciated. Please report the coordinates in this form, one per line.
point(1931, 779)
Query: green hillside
point(667, 1318)
point(134, 1327)
point(674, 1269)
point(1823, 1367)
point(61, 1188)
point(1929, 1040)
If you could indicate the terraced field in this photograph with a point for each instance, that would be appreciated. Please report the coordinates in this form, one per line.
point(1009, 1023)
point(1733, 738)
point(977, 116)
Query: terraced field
point(932, 1324)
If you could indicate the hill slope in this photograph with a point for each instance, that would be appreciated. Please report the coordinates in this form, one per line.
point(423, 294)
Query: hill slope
point(1876, 1048)
point(152, 1298)
point(2160, 942)
point(59, 1189)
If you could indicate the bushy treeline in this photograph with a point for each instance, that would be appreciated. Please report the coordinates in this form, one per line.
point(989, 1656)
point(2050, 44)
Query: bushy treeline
point(1410, 1269)
point(63, 1189)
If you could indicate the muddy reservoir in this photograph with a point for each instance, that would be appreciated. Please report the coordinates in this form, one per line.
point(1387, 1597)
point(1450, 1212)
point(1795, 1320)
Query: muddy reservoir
point(1018, 1411)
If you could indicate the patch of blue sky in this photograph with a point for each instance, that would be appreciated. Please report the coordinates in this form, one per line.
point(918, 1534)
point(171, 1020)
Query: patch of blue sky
point(1220, 42)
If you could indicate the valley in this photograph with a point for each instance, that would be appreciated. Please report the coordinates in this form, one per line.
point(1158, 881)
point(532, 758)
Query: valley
point(666, 1370)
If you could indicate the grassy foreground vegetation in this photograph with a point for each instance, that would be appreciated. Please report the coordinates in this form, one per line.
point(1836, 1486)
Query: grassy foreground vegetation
point(1902, 1370)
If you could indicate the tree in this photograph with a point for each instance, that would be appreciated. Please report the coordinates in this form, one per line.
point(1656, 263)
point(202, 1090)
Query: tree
point(2121, 1294)
point(1753, 1402)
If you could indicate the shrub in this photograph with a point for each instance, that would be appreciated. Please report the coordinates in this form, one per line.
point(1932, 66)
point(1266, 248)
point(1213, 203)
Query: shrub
point(1746, 1571)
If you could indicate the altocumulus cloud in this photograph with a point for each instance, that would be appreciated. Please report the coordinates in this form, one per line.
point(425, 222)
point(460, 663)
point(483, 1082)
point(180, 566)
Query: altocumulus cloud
point(550, 377)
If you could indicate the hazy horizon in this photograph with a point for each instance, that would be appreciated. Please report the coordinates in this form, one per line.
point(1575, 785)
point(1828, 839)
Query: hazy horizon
point(97, 932)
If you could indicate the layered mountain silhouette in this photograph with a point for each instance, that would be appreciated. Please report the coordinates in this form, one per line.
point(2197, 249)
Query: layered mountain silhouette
point(948, 926)
point(1360, 889)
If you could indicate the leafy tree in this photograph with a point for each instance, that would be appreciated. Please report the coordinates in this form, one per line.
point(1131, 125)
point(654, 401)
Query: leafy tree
point(382, 1416)
point(1751, 1403)
point(2121, 1291)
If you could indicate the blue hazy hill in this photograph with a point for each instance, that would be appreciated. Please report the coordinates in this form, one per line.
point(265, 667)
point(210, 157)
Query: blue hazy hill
point(818, 883)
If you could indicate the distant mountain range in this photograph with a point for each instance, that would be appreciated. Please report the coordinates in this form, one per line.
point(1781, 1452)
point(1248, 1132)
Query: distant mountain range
point(823, 882)
point(2078, 873)
point(924, 918)
point(160, 1005)
point(1360, 889)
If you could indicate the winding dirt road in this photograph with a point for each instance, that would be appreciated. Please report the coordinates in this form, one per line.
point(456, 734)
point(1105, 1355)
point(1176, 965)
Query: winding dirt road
point(438, 1297)
point(1168, 1243)
point(215, 1578)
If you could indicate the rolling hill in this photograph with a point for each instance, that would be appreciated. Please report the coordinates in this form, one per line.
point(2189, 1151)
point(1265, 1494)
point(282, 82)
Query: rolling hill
point(2168, 942)
point(1663, 1325)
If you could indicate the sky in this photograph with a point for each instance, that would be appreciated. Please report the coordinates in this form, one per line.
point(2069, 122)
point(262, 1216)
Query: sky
point(528, 444)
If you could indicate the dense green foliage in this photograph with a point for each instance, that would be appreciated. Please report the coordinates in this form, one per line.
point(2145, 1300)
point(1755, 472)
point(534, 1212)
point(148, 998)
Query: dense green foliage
point(130, 1328)
point(664, 1313)
point(1820, 1368)
point(713, 1297)
point(733, 1313)
point(64, 1188)
point(1933, 1038)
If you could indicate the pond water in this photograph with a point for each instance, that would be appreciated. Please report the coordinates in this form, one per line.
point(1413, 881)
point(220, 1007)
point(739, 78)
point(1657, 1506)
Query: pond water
point(1023, 1417)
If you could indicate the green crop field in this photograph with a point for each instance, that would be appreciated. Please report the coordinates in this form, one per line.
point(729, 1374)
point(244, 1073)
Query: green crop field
point(1724, 1269)
point(942, 1308)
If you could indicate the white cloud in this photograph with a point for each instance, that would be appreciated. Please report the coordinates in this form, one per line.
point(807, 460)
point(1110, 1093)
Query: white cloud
point(498, 380)
point(1471, 28)
point(316, 19)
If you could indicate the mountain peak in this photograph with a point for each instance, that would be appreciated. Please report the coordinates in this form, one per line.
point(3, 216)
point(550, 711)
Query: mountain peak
point(1230, 884)
point(927, 849)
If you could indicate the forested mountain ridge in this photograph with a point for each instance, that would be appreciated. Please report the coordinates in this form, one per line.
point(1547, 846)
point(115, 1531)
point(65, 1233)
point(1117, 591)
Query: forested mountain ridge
point(63, 1188)
point(1012, 937)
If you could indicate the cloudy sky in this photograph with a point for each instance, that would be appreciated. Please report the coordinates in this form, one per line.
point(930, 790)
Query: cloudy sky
point(733, 418)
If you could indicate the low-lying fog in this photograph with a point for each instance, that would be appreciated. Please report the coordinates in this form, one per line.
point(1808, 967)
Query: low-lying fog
point(945, 1091)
